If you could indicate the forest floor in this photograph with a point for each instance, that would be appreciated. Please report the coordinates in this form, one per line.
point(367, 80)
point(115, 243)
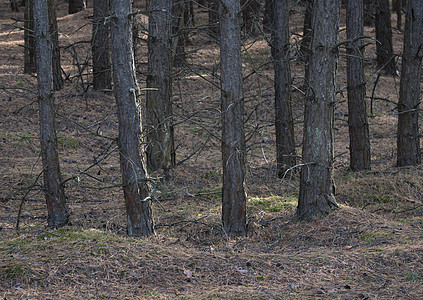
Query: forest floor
point(369, 248)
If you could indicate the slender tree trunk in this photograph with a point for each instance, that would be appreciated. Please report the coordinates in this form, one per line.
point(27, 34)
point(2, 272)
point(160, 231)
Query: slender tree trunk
point(76, 6)
point(58, 215)
point(284, 124)
point(408, 140)
point(134, 178)
point(233, 139)
point(357, 110)
point(316, 183)
point(384, 48)
point(160, 148)
point(58, 81)
point(100, 45)
point(179, 21)
point(30, 66)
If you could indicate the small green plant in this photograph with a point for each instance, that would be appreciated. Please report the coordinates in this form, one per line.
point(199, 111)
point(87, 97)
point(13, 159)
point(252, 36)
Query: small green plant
point(412, 276)
point(14, 271)
point(273, 203)
point(370, 237)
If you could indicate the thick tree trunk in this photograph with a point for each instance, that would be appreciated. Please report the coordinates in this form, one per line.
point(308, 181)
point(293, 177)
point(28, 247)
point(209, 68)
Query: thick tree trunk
point(58, 80)
point(233, 139)
point(284, 124)
point(384, 48)
point(134, 178)
point(30, 66)
point(356, 86)
point(76, 6)
point(408, 140)
point(58, 215)
point(316, 184)
point(160, 147)
point(100, 45)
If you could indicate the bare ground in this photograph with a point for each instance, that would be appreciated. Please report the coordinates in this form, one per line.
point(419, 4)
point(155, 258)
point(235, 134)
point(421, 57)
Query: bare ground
point(370, 248)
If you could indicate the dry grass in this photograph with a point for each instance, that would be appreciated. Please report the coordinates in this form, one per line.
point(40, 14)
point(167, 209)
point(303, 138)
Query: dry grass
point(369, 248)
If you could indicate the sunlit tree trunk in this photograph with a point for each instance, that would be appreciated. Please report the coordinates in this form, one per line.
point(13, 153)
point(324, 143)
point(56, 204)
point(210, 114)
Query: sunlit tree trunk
point(100, 45)
point(316, 183)
point(356, 86)
point(134, 178)
point(284, 124)
point(408, 140)
point(233, 140)
point(58, 215)
point(160, 142)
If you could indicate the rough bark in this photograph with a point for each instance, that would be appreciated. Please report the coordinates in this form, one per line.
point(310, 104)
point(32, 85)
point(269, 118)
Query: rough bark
point(306, 40)
point(29, 39)
point(134, 178)
point(408, 139)
point(356, 86)
point(384, 48)
point(100, 45)
point(284, 124)
point(76, 6)
point(58, 215)
point(58, 80)
point(232, 103)
point(316, 183)
point(160, 142)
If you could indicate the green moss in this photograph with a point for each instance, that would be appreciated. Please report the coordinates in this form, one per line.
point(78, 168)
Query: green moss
point(273, 203)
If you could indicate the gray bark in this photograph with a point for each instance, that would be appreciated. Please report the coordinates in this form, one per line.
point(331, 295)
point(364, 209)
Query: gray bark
point(100, 45)
point(134, 178)
point(356, 86)
point(160, 142)
point(232, 102)
point(58, 80)
point(408, 139)
point(316, 182)
point(284, 124)
point(58, 215)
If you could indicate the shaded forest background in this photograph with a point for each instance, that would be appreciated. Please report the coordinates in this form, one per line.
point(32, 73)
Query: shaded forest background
point(369, 248)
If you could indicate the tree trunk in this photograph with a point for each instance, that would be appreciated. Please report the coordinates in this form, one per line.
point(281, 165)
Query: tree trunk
point(384, 49)
point(408, 140)
point(58, 215)
point(306, 40)
point(100, 45)
point(179, 21)
point(316, 184)
point(284, 124)
point(356, 86)
point(76, 6)
point(233, 139)
point(30, 66)
point(134, 178)
point(397, 6)
point(58, 81)
point(160, 148)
